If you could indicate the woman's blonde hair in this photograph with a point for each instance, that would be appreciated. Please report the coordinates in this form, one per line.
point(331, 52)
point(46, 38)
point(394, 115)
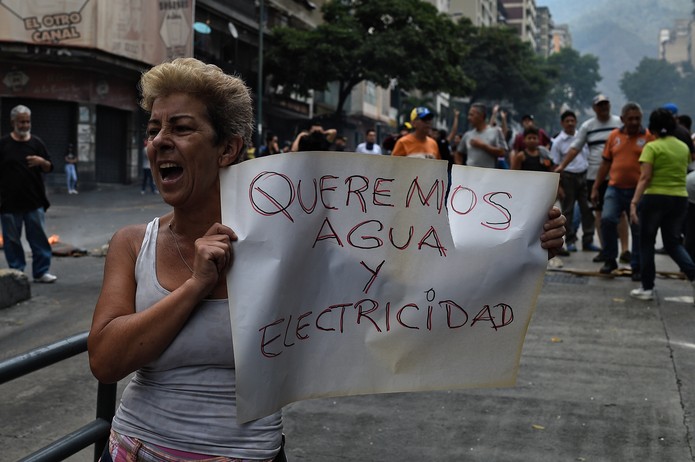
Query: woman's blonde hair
point(227, 98)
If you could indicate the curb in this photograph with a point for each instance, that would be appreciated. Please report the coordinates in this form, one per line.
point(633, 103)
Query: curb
point(14, 287)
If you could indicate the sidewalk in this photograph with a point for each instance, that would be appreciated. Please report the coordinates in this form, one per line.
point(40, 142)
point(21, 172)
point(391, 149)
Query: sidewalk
point(603, 377)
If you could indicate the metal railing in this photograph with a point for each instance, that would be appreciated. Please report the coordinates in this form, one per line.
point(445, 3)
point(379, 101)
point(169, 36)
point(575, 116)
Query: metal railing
point(95, 432)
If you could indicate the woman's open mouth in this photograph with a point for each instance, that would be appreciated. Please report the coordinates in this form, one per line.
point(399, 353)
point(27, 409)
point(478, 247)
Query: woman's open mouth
point(170, 171)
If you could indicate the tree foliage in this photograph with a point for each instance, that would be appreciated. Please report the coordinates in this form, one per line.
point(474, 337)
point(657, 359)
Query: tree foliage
point(375, 40)
point(408, 42)
point(576, 79)
point(655, 82)
point(506, 68)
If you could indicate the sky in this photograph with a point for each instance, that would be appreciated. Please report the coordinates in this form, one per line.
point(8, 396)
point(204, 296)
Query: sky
point(619, 32)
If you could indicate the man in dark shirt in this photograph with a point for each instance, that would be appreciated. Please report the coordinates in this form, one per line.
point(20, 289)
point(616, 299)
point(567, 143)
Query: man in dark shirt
point(23, 161)
point(314, 139)
point(681, 132)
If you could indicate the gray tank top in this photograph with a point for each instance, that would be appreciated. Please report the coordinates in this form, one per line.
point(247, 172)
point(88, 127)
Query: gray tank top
point(185, 399)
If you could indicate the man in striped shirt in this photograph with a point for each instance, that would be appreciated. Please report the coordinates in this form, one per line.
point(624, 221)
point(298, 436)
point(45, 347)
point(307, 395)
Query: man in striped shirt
point(594, 133)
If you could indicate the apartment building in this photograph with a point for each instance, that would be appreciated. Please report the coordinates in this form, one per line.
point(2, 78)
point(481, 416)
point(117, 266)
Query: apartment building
point(545, 27)
point(521, 14)
point(675, 45)
point(480, 12)
point(561, 38)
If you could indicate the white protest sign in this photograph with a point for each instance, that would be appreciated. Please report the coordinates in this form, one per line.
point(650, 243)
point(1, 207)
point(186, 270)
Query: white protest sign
point(357, 274)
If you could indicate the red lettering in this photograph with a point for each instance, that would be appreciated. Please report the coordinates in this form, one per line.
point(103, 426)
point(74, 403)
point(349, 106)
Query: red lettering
point(448, 304)
point(388, 316)
point(486, 315)
point(263, 341)
point(284, 340)
point(505, 309)
point(399, 315)
point(364, 314)
point(324, 188)
point(331, 235)
point(357, 192)
point(502, 225)
point(381, 192)
point(342, 307)
point(367, 311)
point(411, 231)
point(376, 241)
point(472, 203)
point(301, 202)
point(375, 273)
point(300, 327)
point(318, 318)
point(437, 243)
point(279, 208)
point(437, 187)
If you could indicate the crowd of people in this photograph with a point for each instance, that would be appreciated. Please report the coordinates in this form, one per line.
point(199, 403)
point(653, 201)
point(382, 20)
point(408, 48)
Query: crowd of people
point(600, 163)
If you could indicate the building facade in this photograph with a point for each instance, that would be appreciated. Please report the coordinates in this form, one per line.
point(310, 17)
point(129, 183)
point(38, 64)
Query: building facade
point(675, 45)
point(545, 26)
point(561, 38)
point(76, 63)
point(480, 12)
point(521, 14)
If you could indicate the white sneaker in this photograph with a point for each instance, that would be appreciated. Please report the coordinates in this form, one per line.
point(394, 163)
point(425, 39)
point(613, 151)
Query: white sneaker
point(642, 294)
point(47, 278)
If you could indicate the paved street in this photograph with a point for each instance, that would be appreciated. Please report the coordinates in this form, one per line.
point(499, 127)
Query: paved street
point(602, 377)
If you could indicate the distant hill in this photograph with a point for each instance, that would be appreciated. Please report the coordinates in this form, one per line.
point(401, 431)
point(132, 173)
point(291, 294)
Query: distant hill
point(619, 32)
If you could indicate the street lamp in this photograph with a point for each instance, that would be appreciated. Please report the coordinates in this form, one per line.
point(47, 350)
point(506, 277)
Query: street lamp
point(235, 35)
point(261, 22)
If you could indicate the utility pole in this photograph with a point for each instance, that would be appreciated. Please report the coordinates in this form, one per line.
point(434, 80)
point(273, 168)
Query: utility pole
point(259, 91)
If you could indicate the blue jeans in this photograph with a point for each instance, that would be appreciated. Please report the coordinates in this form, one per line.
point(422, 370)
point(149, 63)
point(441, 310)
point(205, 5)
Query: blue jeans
point(665, 212)
point(36, 236)
point(71, 176)
point(615, 202)
point(147, 180)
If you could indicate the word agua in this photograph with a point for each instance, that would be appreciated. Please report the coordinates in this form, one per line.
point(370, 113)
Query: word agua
point(337, 319)
point(274, 193)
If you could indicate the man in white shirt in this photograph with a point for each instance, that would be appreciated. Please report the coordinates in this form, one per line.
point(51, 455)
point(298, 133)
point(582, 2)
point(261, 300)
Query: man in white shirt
point(573, 187)
point(594, 133)
point(369, 146)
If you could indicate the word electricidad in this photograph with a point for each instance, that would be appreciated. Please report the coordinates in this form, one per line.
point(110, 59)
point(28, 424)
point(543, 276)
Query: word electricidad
point(284, 333)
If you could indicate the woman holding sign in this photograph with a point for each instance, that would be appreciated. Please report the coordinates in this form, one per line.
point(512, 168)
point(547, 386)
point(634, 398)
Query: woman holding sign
point(163, 311)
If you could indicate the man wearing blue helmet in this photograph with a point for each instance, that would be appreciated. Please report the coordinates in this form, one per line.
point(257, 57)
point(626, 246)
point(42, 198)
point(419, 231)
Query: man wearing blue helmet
point(418, 143)
point(680, 131)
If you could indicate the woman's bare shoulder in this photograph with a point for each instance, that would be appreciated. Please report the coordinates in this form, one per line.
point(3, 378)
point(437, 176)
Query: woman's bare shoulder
point(128, 239)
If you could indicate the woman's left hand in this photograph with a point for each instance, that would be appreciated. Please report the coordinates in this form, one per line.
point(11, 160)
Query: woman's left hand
point(554, 231)
point(634, 216)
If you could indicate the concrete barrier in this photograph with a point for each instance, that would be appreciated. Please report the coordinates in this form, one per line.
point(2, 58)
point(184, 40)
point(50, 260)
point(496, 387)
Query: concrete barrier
point(14, 287)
